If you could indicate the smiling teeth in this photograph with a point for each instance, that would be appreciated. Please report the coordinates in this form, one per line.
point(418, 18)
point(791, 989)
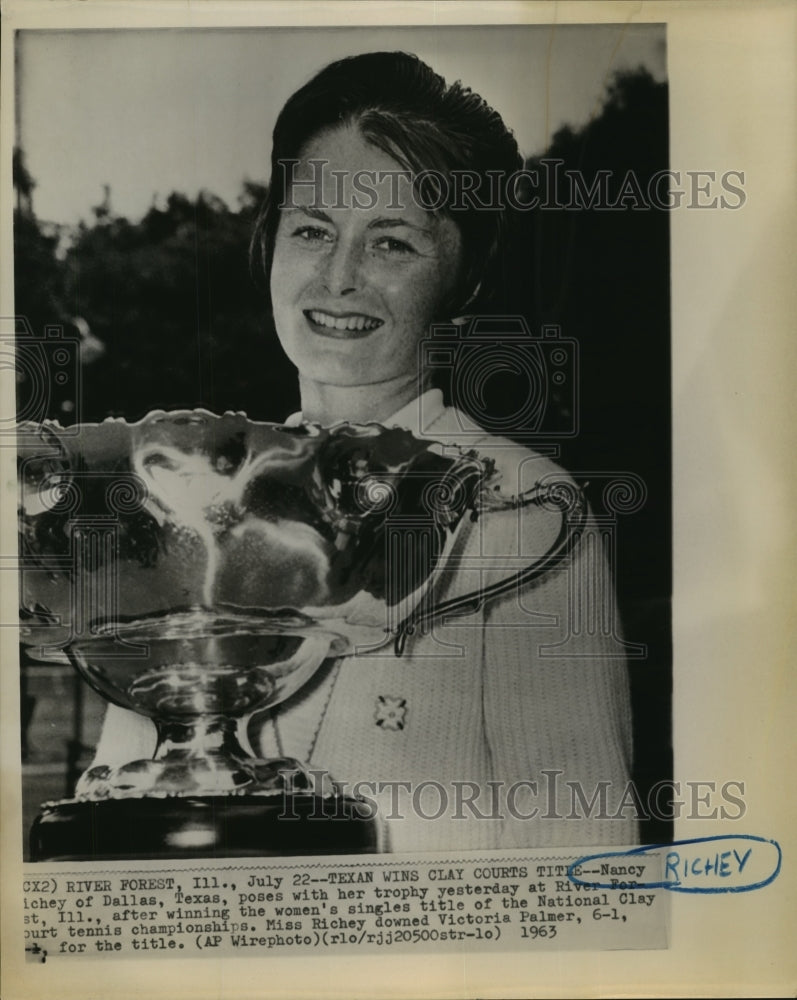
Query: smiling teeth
point(354, 323)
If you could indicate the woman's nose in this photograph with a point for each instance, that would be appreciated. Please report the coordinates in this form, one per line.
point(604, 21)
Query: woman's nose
point(342, 269)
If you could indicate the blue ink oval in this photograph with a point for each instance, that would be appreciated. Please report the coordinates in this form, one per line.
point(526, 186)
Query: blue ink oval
point(732, 863)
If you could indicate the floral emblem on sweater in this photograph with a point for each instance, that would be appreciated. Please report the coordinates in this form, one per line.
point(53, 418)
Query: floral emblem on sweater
point(390, 712)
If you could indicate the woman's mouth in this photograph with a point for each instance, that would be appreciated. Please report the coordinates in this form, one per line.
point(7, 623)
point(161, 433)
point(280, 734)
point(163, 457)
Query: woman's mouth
point(349, 325)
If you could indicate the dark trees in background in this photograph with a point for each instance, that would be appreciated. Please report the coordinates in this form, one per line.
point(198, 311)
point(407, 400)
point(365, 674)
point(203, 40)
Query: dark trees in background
point(38, 274)
point(172, 301)
point(604, 277)
point(182, 321)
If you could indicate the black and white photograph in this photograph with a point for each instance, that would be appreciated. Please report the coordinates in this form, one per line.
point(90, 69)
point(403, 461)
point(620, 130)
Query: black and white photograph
point(401, 600)
point(374, 507)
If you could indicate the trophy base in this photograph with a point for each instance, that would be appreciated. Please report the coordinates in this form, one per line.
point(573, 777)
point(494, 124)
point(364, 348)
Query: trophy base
point(218, 826)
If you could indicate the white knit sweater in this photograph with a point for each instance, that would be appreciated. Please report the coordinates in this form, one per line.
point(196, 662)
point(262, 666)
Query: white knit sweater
point(480, 724)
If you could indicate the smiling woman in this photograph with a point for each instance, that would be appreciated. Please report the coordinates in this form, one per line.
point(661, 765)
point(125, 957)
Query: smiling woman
point(360, 153)
point(354, 290)
point(516, 718)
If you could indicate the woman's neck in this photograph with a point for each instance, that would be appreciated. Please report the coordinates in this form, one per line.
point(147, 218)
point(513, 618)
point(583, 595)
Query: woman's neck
point(328, 404)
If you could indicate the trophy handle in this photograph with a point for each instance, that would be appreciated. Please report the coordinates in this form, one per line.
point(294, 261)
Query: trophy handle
point(564, 496)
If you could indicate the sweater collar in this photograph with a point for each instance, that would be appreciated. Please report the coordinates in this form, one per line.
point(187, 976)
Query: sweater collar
point(417, 416)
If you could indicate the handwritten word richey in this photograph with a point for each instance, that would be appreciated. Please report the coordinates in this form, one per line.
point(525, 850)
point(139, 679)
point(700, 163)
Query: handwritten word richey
point(734, 863)
point(726, 865)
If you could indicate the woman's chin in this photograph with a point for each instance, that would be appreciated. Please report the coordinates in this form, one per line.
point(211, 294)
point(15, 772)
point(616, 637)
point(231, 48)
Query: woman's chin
point(336, 362)
point(333, 377)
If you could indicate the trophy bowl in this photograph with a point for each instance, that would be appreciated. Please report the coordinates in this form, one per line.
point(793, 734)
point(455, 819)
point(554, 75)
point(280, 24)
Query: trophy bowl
point(196, 569)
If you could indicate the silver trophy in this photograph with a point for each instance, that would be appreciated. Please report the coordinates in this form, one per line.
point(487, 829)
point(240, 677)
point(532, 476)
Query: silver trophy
point(197, 569)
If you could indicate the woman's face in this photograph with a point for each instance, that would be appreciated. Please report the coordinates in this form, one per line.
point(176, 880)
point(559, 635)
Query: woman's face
point(359, 270)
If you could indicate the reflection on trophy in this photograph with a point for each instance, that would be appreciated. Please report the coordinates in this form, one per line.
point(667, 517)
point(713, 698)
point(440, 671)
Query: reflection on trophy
point(198, 569)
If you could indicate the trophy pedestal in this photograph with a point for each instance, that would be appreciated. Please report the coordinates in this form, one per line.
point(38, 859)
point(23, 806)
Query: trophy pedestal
point(203, 826)
point(202, 796)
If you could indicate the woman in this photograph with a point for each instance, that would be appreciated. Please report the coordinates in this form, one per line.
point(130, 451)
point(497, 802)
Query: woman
point(498, 729)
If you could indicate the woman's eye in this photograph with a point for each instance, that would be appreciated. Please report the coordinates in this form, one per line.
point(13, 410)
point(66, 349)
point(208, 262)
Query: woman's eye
point(393, 246)
point(313, 234)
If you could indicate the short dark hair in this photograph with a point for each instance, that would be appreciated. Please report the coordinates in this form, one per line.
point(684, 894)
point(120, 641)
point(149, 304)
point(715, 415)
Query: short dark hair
point(404, 108)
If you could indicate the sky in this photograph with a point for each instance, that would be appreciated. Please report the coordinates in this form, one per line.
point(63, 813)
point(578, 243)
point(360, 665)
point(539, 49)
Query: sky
point(151, 112)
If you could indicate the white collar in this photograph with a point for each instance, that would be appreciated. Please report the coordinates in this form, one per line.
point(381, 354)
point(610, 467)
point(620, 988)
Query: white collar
point(417, 416)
